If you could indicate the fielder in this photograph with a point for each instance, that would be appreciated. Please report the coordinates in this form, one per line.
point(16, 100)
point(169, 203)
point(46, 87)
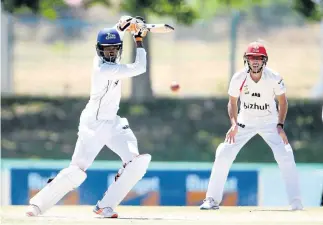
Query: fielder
point(100, 125)
point(256, 86)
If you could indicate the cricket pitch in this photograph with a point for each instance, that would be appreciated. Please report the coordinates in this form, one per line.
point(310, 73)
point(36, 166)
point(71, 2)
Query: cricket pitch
point(159, 215)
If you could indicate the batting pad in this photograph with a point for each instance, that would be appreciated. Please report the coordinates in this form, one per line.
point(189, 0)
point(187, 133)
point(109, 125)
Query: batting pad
point(67, 180)
point(131, 174)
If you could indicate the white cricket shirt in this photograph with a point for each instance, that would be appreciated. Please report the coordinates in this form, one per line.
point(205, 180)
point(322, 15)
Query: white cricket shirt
point(106, 86)
point(257, 100)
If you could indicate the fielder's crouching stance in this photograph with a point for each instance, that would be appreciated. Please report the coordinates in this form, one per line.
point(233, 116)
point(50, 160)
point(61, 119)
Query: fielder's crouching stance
point(257, 86)
point(100, 125)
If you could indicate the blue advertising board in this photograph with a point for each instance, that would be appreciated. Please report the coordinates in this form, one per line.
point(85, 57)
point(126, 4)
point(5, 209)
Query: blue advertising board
point(158, 187)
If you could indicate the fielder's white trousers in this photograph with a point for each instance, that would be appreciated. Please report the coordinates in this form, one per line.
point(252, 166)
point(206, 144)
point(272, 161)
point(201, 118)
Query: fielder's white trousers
point(94, 134)
point(226, 154)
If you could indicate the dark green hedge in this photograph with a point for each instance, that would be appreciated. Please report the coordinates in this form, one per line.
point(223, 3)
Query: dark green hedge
point(169, 129)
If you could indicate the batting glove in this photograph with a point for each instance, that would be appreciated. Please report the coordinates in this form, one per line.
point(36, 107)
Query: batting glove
point(124, 23)
point(138, 28)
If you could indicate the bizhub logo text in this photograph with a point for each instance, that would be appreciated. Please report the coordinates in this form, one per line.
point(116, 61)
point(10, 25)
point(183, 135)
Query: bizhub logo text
point(255, 106)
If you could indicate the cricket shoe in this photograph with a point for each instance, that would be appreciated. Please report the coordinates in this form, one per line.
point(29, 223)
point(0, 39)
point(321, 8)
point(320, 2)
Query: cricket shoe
point(297, 205)
point(209, 204)
point(33, 210)
point(105, 212)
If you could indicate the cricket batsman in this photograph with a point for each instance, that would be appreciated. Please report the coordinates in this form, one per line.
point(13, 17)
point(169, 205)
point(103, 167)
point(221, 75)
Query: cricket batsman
point(256, 86)
point(100, 125)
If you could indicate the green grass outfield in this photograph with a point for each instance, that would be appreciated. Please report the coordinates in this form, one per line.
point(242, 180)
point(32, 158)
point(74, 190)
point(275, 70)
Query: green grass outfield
point(156, 215)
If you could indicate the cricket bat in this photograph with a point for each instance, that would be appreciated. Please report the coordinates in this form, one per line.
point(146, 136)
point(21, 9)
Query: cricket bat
point(159, 28)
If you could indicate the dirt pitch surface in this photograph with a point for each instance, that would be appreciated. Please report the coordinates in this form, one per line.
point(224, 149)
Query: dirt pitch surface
point(155, 215)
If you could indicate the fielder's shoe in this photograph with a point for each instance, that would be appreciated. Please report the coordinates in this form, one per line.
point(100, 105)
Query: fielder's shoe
point(297, 205)
point(32, 210)
point(208, 204)
point(105, 212)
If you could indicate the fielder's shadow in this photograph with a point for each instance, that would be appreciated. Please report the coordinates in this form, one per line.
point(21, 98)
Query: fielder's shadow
point(139, 218)
point(271, 210)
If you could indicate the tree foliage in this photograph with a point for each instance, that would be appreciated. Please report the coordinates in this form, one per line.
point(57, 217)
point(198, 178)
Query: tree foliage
point(309, 9)
point(45, 8)
point(178, 9)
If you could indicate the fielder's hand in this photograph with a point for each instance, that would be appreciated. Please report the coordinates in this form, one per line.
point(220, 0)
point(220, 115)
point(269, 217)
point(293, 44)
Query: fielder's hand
point(282, 134)
point(231, 134)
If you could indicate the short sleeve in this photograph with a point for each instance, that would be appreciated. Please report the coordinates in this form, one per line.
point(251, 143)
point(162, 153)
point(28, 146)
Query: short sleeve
point(235, 86)
point(279, 86)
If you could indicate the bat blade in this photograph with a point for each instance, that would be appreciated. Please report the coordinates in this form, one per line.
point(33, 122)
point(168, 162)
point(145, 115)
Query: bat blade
point(159, 28)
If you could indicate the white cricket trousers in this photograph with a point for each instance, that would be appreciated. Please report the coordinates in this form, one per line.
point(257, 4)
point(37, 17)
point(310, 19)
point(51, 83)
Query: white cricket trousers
point(226, 154)
point(94, 134)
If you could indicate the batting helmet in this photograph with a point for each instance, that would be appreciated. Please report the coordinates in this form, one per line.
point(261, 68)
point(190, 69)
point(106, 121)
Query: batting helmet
point(256, 49)
point(109, 37)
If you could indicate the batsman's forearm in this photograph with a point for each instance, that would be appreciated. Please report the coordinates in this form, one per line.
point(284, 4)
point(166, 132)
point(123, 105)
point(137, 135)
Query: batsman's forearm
point(233, 112)
point(140, 44)
point(283, 107)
